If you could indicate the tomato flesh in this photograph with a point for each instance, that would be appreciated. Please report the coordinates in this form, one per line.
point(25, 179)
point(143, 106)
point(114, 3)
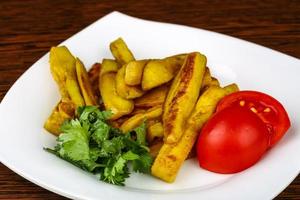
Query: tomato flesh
point(232, 140)
point(268, 109)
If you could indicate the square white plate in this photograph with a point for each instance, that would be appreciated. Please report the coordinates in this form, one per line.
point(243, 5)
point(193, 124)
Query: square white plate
point(31, 99)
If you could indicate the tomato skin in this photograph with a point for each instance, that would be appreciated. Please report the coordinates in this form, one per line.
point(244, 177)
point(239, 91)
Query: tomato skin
point(232, 140)
point(277, 119)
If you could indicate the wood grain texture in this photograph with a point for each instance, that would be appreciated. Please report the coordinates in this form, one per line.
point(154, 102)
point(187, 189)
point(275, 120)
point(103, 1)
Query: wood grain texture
point(29, 28)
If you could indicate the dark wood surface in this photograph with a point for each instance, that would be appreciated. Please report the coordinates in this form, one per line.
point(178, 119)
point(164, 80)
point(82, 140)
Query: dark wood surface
point(29, 28)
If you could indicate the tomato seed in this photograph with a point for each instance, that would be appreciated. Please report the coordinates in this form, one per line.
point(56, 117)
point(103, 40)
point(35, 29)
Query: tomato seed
point(253, 109)
point(242, 103)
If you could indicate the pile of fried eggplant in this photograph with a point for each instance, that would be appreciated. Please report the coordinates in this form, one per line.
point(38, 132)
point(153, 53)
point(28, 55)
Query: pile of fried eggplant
point(174, 96)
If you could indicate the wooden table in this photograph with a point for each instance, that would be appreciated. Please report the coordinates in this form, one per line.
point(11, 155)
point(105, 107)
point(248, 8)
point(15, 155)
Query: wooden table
point(29, 28)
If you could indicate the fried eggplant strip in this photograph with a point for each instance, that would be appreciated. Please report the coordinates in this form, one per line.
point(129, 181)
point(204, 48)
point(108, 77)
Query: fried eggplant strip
point(124, 90)
point(84, 84)
point(206, 78)
point(154, 97)
point(121, 52)
point(182, 96)
point(61, 112)
point(160, 71)
point(63, 69)
point(134, 72)
point(137, 119)
point(112, 101)
point(93, 74)
point(171, 156)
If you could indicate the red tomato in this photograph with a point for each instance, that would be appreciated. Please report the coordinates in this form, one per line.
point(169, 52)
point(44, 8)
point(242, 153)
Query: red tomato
point(232, 140)
point(268, 109)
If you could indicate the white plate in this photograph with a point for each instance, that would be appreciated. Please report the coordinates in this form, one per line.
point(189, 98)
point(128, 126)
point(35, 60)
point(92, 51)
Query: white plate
point(31, 99)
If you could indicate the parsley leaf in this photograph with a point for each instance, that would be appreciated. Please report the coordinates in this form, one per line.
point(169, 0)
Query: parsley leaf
point(143, 164)
point(74, 141)
point(116, 171)
point(141, 134)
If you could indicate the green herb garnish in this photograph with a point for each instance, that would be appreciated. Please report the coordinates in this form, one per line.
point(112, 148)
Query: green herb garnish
point(93, 145)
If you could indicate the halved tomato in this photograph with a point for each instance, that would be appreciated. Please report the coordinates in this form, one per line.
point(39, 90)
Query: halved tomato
point(268, 109)
point(232, 140)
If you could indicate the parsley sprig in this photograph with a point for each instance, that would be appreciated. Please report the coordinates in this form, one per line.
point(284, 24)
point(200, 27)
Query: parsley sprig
point(90, 143)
